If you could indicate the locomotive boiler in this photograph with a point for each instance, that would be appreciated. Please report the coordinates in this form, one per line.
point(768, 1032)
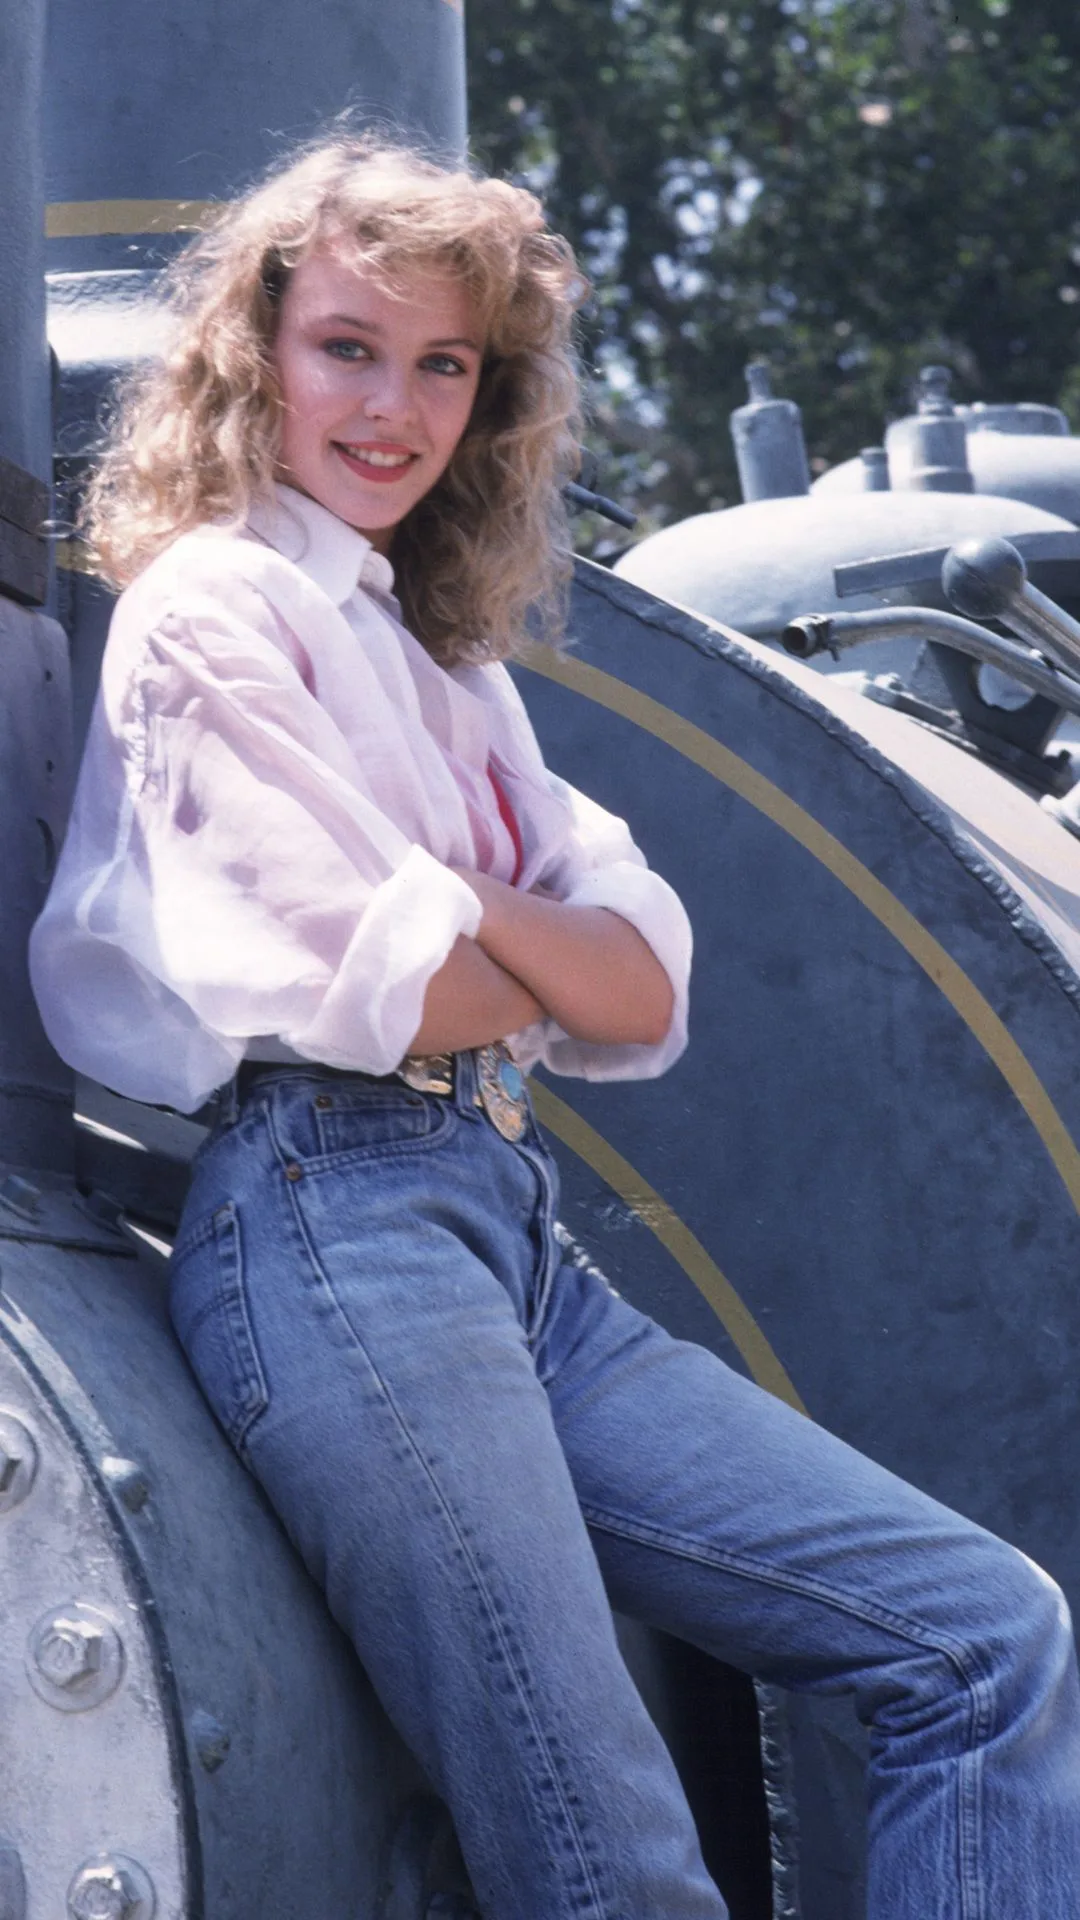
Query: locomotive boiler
point(860, 1185)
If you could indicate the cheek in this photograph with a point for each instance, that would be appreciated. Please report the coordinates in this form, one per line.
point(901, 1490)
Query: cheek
point(308, 394)
point(454, 418)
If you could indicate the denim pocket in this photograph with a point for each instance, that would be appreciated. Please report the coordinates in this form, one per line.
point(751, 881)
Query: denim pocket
point(358, 1119)
point(209, 1309)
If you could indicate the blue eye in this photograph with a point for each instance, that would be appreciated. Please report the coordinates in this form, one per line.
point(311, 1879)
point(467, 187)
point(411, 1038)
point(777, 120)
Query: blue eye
point(444, 363)
point(346, 349)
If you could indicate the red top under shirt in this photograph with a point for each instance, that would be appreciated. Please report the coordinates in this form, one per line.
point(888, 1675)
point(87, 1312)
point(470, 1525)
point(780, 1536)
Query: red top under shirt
point(509, 820)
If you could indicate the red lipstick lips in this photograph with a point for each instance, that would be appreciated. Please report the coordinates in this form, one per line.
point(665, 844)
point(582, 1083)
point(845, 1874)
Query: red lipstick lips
point(398, 459)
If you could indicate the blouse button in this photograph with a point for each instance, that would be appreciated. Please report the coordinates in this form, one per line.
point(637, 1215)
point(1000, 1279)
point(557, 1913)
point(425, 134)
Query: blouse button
point(293, 1172)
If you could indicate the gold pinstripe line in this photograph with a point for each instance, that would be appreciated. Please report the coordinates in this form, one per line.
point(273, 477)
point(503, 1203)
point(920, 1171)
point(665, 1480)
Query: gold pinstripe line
point(81, 219)
point(947, 975)
point(685, 1248)
point(69, 555)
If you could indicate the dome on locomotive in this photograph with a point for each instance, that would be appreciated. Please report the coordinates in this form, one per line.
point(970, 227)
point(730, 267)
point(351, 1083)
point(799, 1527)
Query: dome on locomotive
point(758, 566)
point(945, 475)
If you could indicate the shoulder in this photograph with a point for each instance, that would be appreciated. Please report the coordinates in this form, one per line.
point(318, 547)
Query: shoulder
point(219, 594)
point(214, 563)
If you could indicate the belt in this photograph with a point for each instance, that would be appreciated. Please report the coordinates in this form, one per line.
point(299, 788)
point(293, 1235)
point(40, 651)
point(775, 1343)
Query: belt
point(500, 1083)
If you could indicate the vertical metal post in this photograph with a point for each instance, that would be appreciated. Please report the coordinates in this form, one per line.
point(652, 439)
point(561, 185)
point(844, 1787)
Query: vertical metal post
point(154, 112)
point(769, 445)
point(35, 1088)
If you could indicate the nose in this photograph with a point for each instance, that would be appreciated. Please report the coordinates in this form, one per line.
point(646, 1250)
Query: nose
point(390, 395)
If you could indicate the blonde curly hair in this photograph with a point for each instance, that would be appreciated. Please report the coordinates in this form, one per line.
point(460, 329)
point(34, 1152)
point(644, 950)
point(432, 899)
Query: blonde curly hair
point(194, 436)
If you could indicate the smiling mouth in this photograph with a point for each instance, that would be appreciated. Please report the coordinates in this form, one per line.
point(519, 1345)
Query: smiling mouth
point(376, 463)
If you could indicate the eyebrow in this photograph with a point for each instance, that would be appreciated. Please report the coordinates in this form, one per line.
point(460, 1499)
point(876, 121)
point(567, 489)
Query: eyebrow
point(372, 326)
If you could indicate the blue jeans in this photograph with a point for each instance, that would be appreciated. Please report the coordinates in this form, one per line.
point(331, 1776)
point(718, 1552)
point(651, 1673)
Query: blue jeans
point(479, 1449)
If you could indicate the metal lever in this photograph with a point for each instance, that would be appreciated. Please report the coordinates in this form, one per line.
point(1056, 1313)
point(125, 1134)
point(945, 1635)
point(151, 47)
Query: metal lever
point(815, 633)
point(588, 501)
point(987, 580)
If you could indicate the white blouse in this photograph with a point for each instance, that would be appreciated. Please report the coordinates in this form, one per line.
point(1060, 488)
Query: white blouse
point(276, 780)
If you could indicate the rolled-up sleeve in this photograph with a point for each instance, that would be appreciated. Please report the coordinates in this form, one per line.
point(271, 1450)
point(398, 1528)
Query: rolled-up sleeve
point(249, 879)
point(600, 866)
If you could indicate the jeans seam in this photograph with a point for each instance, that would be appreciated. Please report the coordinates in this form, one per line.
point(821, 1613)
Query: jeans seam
point(977, 1684)
point(537, 1157)
point(621, 1527)
point(515, 1668)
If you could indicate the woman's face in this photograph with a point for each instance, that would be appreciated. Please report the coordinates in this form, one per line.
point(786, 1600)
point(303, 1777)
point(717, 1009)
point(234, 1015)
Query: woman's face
point(377, 388)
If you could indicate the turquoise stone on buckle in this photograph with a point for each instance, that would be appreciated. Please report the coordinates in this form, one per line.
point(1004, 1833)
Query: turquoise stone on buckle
point(501, 1085)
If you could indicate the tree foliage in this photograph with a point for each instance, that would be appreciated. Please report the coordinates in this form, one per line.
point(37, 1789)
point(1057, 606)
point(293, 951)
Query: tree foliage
point(844, 188)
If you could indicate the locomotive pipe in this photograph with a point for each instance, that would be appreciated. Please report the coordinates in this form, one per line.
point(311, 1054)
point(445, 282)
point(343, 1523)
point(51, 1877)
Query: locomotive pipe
point(987, 580)
point(589, 502)
point(815, 633)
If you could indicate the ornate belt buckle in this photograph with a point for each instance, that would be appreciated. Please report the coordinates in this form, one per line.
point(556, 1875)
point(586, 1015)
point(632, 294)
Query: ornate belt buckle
point(502, 1090)
point(428, 1072)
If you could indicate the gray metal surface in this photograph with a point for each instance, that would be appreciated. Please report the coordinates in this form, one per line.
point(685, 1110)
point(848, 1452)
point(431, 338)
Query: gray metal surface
point(988, 579)
point(756, 567)
point(35, 748)
point(840, 632)
point(24, 371)
point(769, 447)
point(84, 1758)
point(35, 785)
point(178, 101)
point(1020, 451)
point(171, 1686)
point(874, 1138)
point(935, 441)
point(24, 557)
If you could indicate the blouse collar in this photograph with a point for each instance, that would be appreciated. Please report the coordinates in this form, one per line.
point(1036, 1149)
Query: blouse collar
point(335, 556)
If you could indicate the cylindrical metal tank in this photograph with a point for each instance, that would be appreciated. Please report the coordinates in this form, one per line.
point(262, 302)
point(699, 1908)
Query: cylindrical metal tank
point(861, 1184)
point(177, 1706)
point(154, 113)
point(24, 370)
point(35, 753)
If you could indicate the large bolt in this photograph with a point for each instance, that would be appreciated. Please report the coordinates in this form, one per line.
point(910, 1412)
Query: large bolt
point(18, 1462)
point(75, 1658)
point(111, 1888)
point(68, 1651)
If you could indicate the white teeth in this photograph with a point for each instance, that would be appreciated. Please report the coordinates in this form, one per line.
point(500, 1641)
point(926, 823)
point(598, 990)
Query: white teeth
point(377, 458)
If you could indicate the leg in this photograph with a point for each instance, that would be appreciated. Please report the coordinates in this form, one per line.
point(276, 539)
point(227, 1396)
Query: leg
point(726, 1518)
point(404, 1439)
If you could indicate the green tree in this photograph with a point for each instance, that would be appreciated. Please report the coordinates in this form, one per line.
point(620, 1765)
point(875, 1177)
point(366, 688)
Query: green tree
point(845, 188)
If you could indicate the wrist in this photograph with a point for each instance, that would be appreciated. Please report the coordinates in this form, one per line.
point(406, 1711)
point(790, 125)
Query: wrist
point(493, 896)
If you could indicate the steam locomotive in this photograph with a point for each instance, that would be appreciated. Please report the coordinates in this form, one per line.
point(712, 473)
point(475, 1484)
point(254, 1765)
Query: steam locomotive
point(860, 1185)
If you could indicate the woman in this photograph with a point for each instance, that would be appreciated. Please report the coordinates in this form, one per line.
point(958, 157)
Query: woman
point(316, 860)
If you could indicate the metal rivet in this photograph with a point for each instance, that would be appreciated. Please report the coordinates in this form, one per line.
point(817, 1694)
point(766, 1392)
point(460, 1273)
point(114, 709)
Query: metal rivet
point(323, 1100)
point(111, 1887)
point(128, 1482)
point(293, 1172)
point(210, 1739)
point(18, 1462)
point(74, 1658)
